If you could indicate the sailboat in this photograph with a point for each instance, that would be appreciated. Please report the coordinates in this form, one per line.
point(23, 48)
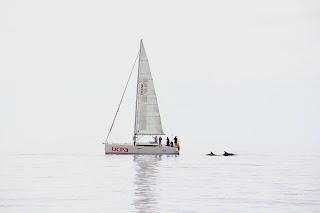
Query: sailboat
point(147, 116)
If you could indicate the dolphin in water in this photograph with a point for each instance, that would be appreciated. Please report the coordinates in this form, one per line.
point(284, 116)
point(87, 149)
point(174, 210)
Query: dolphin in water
point(211, 154)
point(227, 154)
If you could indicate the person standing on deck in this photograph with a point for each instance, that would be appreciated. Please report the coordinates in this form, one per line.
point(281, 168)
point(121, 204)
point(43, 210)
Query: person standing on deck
point(175, 140)
point(134, 139)
point(160, 139)
point(156, 139)
point(168, 142)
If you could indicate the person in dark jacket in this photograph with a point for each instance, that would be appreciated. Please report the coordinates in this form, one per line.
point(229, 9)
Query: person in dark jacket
point(175, 139)
point(168, 142)
point(171, 144)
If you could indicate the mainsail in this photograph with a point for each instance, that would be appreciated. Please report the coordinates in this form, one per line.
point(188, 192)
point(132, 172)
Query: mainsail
point(147, 116)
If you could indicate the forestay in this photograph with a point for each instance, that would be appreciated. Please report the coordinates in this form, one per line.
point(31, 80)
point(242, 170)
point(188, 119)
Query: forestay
point(147, 120)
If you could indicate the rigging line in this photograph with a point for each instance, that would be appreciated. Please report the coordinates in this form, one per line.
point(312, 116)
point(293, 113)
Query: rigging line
point(106, 141)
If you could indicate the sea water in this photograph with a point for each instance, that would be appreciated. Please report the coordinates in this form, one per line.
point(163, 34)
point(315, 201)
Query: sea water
point(148, 183)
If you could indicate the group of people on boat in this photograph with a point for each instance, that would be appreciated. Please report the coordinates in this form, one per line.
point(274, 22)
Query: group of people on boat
point(156, 140)
point(173, 144)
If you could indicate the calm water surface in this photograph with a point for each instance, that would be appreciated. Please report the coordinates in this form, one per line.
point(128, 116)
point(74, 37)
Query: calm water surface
point(185, 183)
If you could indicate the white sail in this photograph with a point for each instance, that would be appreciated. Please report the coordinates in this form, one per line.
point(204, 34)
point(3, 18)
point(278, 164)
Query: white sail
point(147, 120)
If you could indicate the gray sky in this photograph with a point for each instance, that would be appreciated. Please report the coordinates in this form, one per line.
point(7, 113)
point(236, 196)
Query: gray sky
point(240, 76)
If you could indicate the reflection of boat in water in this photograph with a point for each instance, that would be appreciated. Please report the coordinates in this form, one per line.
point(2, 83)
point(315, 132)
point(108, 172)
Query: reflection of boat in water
point(147, 116)
point(144, 182)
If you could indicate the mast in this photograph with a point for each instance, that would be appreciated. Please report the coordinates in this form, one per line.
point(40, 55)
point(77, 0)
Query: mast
point(135, 114)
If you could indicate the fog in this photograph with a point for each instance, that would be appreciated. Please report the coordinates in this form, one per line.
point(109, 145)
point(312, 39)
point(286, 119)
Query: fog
point(240, 76)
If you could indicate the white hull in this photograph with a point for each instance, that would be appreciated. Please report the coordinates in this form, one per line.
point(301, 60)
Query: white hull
point(142, 150)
